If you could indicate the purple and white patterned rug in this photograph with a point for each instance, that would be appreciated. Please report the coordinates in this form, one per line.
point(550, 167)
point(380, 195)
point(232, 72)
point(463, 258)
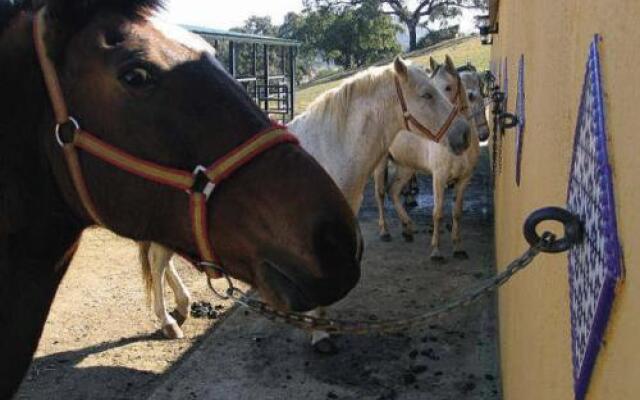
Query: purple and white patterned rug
point(595, 266)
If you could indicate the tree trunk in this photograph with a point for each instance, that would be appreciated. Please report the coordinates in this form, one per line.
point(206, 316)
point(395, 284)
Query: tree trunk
point(412, 26)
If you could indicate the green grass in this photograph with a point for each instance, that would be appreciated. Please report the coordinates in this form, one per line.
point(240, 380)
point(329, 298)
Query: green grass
point(470, 50)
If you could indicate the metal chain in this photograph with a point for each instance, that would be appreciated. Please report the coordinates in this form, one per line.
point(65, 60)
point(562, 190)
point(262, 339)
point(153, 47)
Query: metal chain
point(337, 326)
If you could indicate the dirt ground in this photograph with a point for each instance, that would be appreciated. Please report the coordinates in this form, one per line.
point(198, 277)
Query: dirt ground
point(101, 339)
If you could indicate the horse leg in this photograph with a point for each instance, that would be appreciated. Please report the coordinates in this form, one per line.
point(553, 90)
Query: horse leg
point(458, 251)
point(380, 183)
point(409, 191)
point(402, 176)
point(438, 202)
point(320, 340)
point(182, 295)
point(159, 261)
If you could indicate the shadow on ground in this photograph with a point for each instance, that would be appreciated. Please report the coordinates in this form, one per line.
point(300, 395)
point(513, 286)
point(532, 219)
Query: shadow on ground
point(246, 357)
point(452, 358)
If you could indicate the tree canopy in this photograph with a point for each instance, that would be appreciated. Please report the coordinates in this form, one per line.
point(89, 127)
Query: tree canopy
point(349, 37)
point(411, 13)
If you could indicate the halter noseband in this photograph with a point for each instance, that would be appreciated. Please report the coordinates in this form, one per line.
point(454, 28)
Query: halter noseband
point(199, 184)
point(409, 119)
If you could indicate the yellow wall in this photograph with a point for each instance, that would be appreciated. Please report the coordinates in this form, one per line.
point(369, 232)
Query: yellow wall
point(554, 36)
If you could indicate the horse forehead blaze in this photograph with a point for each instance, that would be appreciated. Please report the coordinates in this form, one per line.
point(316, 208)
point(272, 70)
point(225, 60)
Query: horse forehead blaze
point(170, 42)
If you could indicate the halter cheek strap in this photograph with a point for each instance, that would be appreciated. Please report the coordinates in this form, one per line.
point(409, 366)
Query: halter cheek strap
point(410, 120)
point(199, 184)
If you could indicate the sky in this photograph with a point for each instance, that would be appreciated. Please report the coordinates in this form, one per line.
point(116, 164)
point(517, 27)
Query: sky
point(225, 14)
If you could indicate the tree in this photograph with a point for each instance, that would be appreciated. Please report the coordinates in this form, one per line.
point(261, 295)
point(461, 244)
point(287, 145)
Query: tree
point(297, 27)
point(254, 25)
point(351, 37)
point(257, 25)
point(437, 36)
point(412, 17)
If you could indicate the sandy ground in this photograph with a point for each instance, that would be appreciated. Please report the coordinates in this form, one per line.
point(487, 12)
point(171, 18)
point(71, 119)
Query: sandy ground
point(101, 339)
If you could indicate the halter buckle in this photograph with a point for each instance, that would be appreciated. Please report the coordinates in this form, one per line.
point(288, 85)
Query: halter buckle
point(65, 132)
point(201, 182)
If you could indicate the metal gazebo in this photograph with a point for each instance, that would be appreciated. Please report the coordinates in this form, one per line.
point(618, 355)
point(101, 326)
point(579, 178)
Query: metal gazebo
point(265, 66)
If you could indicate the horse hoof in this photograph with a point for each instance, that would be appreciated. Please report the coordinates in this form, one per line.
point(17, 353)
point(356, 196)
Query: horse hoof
point(460, 255)
point(385, 237)
point(325, 346)
point(177, 315)
point(408, 237)
point(438, 258)
point(172, 331)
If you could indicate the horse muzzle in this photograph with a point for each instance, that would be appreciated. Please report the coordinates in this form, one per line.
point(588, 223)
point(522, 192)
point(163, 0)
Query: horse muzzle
point(459, 136)
point(287, 288)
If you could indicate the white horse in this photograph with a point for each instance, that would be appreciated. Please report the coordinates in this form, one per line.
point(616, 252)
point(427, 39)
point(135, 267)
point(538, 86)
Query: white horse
point(411, 153)
point(349, 130)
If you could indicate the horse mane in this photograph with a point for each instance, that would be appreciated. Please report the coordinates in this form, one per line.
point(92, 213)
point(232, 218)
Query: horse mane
point(467, 68)
point(80, 12)
point(336, 102)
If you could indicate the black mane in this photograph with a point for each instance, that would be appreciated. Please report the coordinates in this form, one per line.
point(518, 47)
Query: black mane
point(78, 12)
point(467, 68)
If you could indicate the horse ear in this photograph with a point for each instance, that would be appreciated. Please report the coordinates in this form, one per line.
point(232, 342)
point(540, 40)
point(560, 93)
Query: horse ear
point(449, 65)
point(434, 64)
point(400, 67)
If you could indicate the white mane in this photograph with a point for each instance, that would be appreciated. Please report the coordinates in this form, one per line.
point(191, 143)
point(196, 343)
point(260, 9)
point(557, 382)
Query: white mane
point(337, 104)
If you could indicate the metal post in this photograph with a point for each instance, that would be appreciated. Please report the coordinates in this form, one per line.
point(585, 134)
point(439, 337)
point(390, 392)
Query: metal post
point(292, 79)
point(232, 59)
point(283, 97)
point(266, 78)
point(254, 73)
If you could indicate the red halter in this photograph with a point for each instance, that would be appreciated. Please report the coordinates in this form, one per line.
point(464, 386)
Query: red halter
point(199, 184)
point(409, 119)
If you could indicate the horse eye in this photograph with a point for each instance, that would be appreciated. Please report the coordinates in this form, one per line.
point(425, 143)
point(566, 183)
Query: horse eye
point(113, 38)
point(448, 88)
point(138, 78)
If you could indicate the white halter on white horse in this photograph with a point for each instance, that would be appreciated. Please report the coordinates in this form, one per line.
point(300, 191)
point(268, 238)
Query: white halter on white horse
point(349, 130)
point(411, 153)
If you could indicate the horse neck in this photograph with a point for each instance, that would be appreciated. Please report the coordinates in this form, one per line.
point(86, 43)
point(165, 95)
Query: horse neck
point(36, 230)
point(23, 94)
point(350, 148)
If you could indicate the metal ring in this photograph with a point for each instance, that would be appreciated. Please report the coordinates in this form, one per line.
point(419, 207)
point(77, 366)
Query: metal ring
point(75, 124)
point(229, 292)
point(573, 231)
point(508, 120)
point(208, 188)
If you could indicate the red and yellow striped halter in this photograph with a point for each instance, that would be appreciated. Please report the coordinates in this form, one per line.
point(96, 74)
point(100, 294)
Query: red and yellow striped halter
point(199, 184)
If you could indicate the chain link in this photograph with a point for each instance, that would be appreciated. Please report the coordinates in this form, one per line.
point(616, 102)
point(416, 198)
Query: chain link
point(337, 326)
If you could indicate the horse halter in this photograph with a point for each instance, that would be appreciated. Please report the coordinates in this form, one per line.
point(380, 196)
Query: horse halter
point(409, 119)
point(199, 184)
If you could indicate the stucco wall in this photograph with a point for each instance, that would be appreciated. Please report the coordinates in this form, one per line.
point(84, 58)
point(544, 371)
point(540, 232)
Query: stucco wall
point(534, 310)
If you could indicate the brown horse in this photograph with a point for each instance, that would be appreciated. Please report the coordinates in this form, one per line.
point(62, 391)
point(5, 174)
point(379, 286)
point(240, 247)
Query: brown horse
point(278, 223)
